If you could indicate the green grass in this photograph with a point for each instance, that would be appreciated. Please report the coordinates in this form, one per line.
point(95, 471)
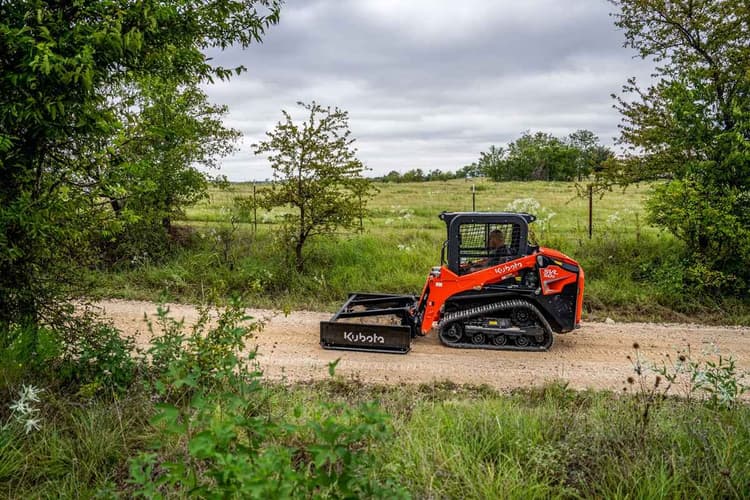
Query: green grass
point(447, 442)
point(633, 270)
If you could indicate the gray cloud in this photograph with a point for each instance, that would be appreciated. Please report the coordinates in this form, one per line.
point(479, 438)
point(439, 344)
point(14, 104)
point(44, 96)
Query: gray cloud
point(430, 84)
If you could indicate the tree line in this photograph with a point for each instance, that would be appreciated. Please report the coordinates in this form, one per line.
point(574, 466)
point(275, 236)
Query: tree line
point(531, 157)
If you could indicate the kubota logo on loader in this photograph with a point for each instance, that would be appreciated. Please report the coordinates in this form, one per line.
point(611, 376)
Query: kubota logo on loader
point(508, 268)
point(364, 338)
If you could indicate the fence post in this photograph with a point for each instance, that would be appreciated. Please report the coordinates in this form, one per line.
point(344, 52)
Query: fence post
point(255, 211)
point(591, 209)
point(361, 221)
point(473, 197)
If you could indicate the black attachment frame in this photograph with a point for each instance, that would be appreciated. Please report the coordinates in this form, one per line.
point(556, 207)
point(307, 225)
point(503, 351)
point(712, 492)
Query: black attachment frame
point(371, 337)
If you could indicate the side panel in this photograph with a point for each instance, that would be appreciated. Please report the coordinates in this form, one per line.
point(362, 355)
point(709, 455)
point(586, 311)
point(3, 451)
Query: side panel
point(449, 284)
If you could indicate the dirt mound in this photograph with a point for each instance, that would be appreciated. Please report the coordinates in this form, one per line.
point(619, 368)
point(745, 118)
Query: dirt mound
point(595, 356)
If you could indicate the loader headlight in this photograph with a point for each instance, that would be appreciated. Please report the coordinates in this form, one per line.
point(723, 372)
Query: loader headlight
point(540, 260)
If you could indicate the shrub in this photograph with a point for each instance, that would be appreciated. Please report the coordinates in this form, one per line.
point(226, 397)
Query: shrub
point(94, 355)
point(212, 404)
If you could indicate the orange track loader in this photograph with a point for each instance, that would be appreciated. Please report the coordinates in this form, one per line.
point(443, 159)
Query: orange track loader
point(510, 296)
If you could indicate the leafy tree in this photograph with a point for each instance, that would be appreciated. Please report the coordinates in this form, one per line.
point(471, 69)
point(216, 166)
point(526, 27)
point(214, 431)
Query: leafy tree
point(591, 154)
point(170, 135)
point(61, 65)
point(492, 163)
point(414, 175)
point(692, 127)
point(316, 172)
point(471, 170)
point(538, 156)
point(392, 176)
point(174, 132)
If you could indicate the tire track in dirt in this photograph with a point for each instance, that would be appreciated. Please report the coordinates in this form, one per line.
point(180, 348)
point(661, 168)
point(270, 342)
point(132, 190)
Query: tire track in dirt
point(595, 356)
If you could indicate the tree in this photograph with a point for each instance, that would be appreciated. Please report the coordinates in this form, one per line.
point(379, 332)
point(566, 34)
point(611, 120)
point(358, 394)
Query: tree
point(692, 127)
point(392, 176)
point(316, 172)
point(413, 175)
point(170, 136)
point(174, 134)
point(591, 154)
point(538, 156)
point(471, 170)
point(61, 65)
point(492, 162)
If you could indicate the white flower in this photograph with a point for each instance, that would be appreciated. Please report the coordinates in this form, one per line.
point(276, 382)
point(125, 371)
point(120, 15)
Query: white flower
point(30, 393)
point(21, 407)
point(23, 410)
point(613, 219)
point(31, 424)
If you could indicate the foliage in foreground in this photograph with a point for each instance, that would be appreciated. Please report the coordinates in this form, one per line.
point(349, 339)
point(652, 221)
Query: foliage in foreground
point(189, 417)
point(447, 441)
point(219, 438)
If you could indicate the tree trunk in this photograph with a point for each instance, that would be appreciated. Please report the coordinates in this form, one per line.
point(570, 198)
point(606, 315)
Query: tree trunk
point(298, 261)
point(116, 206)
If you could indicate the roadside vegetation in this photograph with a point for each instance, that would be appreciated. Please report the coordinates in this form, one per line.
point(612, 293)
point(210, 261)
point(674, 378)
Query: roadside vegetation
point(192, 416)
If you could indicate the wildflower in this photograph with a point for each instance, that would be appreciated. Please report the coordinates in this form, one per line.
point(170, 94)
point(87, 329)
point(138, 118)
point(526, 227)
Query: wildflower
point(31, 424)
point(30, 393)
point(636, 346)
point(21, 406)
point(631, 380)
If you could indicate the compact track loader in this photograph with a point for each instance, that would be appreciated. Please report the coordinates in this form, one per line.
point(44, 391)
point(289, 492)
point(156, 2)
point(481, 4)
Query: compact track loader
point(493, 290)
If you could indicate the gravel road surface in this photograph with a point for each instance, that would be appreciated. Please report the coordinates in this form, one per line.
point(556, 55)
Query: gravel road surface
point(595, 356)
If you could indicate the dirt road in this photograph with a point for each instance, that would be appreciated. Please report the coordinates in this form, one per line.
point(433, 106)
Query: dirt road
point(594, 356)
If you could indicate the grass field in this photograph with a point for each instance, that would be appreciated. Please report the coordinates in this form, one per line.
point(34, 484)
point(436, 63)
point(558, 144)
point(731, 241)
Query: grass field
point(633, 270)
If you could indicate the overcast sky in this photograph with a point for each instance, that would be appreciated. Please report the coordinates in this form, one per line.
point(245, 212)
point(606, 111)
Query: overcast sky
point(431, 84)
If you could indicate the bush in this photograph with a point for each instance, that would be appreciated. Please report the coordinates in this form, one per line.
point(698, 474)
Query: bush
point(94, 355)
point(212, 404)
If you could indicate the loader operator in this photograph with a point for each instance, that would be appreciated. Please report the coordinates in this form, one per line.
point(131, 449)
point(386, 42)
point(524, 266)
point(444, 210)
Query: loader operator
point(497, 251)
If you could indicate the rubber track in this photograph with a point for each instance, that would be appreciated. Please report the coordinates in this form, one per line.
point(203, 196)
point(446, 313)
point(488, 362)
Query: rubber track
point(488, 309)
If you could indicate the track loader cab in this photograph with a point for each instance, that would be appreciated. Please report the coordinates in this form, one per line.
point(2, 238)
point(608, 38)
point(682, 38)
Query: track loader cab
point(470, 237)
